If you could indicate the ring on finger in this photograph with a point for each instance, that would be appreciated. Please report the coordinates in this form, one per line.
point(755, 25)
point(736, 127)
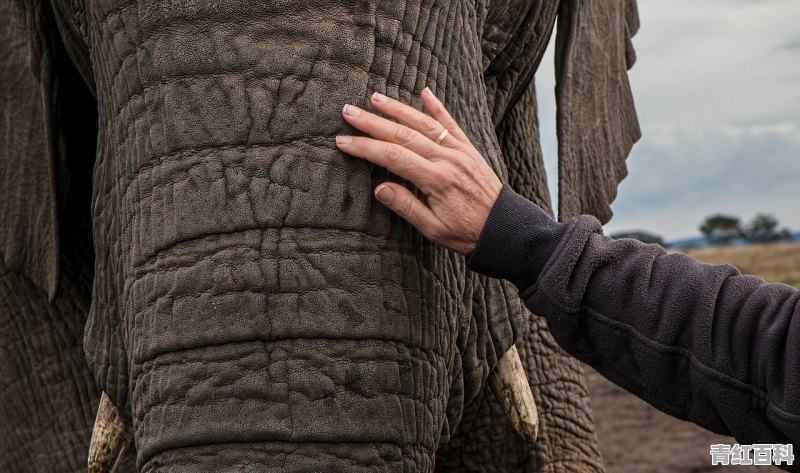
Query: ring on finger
point(442, 136)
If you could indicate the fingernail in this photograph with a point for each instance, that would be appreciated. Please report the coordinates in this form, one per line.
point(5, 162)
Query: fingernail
point(343, 139)
point(427, 90)
point(380, 98)
point(351, 111)
point(385, 194)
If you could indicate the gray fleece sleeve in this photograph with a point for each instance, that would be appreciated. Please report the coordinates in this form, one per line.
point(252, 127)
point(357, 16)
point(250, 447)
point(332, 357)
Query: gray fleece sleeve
point(701, 342)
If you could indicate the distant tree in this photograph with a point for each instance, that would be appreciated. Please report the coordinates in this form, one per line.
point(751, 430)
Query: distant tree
point(642, 236)
point(764, 229)
point(721, 229)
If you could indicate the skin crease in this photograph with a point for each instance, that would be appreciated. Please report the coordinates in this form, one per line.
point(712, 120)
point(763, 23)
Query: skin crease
point(459, 185)
point(190, 136)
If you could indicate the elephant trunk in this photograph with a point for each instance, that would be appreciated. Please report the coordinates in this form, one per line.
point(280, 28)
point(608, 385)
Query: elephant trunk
point(253, 304)
point(295, 404)
point(112, 434)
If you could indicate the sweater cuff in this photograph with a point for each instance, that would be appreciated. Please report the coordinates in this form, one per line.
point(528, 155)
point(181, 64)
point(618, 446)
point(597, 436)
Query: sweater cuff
point(517, 240)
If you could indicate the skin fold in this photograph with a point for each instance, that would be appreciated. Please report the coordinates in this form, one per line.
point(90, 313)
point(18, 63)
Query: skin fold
point(178, 210)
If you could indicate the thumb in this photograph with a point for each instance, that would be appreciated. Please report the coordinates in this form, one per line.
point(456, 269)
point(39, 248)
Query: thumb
point(401, 201)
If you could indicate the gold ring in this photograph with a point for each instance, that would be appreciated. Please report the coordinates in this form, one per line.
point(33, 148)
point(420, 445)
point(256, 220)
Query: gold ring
point(442, 136)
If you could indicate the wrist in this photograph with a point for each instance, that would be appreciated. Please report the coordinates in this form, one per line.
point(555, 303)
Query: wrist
point(516, 241)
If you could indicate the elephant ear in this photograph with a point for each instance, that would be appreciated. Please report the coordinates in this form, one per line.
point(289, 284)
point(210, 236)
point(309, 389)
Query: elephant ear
point(38, 86)
point(596, 119)
point(28, 209)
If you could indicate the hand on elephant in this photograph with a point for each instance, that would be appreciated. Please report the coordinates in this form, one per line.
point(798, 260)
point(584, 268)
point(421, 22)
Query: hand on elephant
point(435, 155)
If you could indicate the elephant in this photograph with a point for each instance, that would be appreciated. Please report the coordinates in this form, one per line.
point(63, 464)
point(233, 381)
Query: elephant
point(180, 233)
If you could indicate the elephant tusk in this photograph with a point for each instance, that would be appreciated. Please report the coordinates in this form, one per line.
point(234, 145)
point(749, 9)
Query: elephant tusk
point(510, 384)
point(110, 438)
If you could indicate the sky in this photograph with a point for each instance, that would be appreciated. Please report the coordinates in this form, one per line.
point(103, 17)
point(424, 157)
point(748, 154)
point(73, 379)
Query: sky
point(717, 90)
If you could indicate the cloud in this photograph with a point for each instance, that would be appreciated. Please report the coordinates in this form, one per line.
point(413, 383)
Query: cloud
point(789, 46)
point(681, 176)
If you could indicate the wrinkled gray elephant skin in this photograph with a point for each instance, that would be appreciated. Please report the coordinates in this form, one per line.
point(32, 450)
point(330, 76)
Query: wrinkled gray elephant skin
point(249, 305)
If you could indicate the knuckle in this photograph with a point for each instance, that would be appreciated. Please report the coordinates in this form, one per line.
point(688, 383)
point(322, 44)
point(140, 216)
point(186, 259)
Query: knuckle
point(453, 125)
point(461, 165)
point(432, 125)
point(447, 183)
point(393, 153)
point(437, 156)
point(445, 156)
point(403, 134)
point(405, 207)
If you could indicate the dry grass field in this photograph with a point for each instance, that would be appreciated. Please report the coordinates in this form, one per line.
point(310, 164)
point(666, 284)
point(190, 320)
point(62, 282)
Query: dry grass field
point(636, 438)
point(775, 262)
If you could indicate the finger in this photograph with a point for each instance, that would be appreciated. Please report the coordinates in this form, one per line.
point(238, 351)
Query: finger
point(401, 201)
point(386, 130)
point(397, 159)
point(436, 108)
point(411, 117)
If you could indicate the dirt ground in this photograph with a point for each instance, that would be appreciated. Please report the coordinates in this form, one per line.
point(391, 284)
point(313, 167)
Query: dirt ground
point(635, 437)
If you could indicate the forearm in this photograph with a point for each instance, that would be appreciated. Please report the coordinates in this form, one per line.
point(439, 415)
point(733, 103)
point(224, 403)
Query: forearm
point(701, 342)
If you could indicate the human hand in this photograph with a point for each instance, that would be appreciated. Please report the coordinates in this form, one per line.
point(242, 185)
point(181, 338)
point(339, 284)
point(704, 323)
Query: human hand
point(436, 156)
